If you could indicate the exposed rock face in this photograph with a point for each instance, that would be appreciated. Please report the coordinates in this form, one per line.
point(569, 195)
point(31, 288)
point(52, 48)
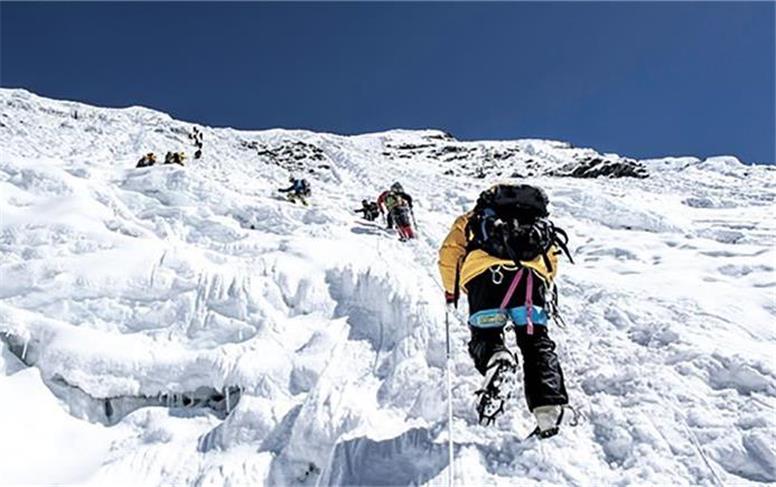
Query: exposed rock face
point(514, 159)
point(293, 156)
point(594, 167)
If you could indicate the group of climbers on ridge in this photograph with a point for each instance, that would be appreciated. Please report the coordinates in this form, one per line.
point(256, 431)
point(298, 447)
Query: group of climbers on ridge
point(175, 157)
point(196, 136)
point(169, 158)
point(395, 205)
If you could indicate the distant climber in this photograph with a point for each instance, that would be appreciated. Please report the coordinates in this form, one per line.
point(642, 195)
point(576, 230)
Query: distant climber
point(196, 136)
point(504, 255)
point(147, 160)
point(396, 205)
point(298, 191)
point(174, 158)
point(369, 210)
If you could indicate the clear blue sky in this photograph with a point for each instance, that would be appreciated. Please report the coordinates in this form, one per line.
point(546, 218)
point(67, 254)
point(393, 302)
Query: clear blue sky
point(645, 79)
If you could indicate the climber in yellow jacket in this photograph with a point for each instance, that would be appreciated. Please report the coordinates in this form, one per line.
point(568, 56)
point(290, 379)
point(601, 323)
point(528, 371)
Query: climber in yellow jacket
point(504, 256)
point(454, 260)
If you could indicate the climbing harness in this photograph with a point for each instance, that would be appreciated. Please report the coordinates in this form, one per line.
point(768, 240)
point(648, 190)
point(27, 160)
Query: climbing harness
point(527, 315)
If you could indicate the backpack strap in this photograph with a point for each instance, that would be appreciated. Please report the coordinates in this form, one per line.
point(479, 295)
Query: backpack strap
point(487, 213)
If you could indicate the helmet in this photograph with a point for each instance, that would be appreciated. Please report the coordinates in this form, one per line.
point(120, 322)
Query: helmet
point(364, 202)
point(396, 187)
point(291, 178)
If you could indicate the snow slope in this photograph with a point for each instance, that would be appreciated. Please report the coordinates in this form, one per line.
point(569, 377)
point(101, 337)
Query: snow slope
point(186, 326)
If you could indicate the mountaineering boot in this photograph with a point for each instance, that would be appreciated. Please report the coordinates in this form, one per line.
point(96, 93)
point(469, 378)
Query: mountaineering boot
point(548, 419)
point(498, 386)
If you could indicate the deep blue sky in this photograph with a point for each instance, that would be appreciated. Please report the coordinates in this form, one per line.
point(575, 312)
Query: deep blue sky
point(644, 79)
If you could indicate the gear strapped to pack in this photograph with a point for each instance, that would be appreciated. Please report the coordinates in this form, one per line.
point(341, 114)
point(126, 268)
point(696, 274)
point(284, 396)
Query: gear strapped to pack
point(511, 222)
point(514, 240)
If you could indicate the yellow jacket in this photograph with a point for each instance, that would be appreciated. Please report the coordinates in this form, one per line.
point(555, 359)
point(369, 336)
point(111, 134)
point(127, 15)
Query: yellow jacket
point(453, 253)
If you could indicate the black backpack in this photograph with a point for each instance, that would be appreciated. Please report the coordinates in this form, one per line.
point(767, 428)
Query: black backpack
point(510, 222)
point(304, 188)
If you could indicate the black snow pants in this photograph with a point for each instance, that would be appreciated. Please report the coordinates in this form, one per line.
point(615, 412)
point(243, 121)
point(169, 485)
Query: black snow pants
point(542, 374)
point(389, 219)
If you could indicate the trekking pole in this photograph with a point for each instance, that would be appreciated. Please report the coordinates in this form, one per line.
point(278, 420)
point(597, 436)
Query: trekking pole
point(415, 223)
point(449, 373)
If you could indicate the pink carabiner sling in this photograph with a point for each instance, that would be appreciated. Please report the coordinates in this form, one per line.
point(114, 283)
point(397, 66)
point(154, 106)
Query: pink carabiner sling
point(528, 297)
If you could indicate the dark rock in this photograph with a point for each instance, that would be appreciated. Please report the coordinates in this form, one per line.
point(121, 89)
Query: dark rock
point(405, 147)
point(594, 167)
point(291, 155)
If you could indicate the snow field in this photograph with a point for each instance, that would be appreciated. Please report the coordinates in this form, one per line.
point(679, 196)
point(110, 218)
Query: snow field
point(134, 285)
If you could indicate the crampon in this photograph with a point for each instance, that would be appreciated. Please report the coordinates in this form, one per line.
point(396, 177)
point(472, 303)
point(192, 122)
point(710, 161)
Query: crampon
point(498, 386)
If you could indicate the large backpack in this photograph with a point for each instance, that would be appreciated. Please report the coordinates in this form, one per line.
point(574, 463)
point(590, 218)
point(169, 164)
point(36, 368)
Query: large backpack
point(510, 222)
point(304, 188)
point(394, 200)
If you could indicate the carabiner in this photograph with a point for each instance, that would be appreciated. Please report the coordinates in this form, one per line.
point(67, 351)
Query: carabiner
point(496, 275)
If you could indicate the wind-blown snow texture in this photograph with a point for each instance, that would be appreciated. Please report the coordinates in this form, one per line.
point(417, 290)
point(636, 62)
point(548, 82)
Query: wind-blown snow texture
point(315, 341)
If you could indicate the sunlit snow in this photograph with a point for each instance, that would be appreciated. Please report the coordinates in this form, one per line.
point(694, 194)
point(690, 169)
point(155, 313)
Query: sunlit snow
point(187, 326)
